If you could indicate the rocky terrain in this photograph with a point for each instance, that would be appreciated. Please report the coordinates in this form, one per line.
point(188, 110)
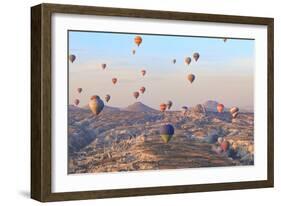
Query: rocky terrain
point(128, 139)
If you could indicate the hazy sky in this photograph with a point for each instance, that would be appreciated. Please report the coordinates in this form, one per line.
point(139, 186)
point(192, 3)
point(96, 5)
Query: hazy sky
point(224, 71)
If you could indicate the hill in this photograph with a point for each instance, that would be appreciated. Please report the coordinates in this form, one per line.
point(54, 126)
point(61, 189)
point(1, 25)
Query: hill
point(139, 107)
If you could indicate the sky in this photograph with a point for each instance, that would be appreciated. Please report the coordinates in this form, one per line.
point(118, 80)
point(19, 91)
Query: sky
point(224, 71)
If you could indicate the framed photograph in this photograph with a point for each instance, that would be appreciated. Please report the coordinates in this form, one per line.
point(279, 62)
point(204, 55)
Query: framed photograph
point(132, 102)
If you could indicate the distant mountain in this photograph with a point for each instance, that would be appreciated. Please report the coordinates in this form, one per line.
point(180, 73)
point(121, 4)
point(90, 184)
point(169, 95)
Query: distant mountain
point(139, 107)
point(211, 105)
point(105, 109)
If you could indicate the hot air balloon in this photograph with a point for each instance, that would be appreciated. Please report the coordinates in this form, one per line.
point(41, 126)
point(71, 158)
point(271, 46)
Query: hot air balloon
point(142, 90)
point(114, 80)
point(133, 51)
point(72, 58)
point(187, 60)
point(184, 110)
point(138, 40)
point(225, 145)
point(107, 97)
point(167, 131)
point(196, 56)
point(79, 90)
point(174, 61)
point(163, 107)
point(220, 108)
point(136, 94)
point(191, 77)
point(143, 72)
point(233, 110)
point(225, 39)
point(76, 102)
point(103, 66)
point(96, 104)
point(169, 104)
point(93, 97)
point(234, 115)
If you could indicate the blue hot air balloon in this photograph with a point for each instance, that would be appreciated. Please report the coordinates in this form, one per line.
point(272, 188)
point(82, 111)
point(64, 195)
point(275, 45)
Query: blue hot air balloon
point(167, 132)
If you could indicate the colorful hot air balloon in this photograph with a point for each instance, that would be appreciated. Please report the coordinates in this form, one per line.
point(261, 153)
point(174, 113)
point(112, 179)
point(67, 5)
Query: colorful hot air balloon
point(72, 58)
point(107, 97)
point(138, 40)
point(184, 110)
point(79, 90)
point(142, 90)
point(103, 66)
point(96, 104)
point(187, 60)
point(191, 77)
point(76, 102)
point(136, 94)
point(143, 72)
point(196, 56)
point(94, 97)
point(163, 107)
point(233, 110)
point(169, 104)
point(225, 145)
point(220, 108)
point(133, 52)
point(114, 80)
point(167, 131)
point(174, 61)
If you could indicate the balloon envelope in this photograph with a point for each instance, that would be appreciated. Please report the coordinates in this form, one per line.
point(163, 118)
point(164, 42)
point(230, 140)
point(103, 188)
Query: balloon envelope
point(107, 97)
point(167, 132)
point(79, 90)
point(196, 56)
point(103, 66)
point(233, 110)
point(191, 77)
point(220, 108)
point(76, 102)
point(142, 90)
point(187, 60)
point(72, 58)
point(163, 107)
point(143, 72)
point(234, 115)
point(136, 94)
point(114, 80)
point(96, 105)
point(138, 40)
